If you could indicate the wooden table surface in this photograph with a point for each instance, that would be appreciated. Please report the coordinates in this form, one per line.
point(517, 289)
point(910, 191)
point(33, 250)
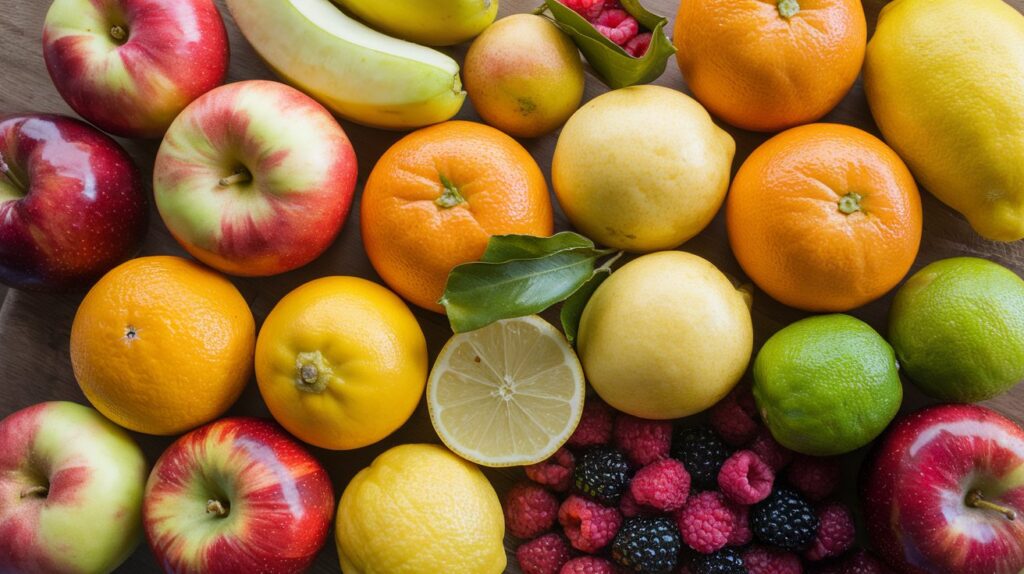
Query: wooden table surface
point(34, 328)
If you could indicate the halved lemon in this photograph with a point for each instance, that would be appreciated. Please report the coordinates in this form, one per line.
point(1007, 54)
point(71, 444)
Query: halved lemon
point(508, 394)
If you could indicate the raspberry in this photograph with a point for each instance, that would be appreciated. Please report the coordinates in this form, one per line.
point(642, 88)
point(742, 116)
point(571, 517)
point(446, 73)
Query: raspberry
point(616, 25)
point(784, 519)
point(589, 9)
point(647, 545)
point(735, 417)
point(771, 452)
point(741, 534)
point(602, 474)
point(588, 565)
point(706, 522)
point(595, 426)
point(663, 485)
point(745, 479)
point(530, 510)
point(638, 46)
point(703, 453)
point(641, 440)
point(766, 560)
point(859, 562)
point(727, 561)
point(588, 525)
point(813, 476)
point(555, 472)
point(629, 507)
point(544, 555)
point(836, 533)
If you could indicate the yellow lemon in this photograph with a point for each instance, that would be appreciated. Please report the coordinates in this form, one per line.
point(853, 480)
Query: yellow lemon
point(341, 362)
point(419, 509)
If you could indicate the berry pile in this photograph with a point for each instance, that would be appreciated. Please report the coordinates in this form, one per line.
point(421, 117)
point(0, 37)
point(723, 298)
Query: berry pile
point(633, 495)
point(610, 19)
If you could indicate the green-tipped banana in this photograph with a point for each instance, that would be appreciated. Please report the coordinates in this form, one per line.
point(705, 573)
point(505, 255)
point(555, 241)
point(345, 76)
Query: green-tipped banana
point(361, 74)
point(430, 22)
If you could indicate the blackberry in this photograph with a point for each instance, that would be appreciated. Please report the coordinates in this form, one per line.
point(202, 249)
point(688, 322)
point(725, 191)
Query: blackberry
point(602, 474)
point(725, 561)
point(703, 453)
point(647, 545)
point(785, 520)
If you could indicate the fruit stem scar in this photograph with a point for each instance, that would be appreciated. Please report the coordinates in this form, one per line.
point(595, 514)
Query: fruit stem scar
point(312, 372)
point(850, 202)
point(118, 33)
point(450, 197)
point(214, 506)
point(37, 490)
point(240, 175)
point(975, 499)
point(788, 8)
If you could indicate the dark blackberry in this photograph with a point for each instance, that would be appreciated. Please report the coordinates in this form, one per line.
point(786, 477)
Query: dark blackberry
point(785, 520)
point(647, 545)
point(725, 561)
point(703, 453)
point(602, 473)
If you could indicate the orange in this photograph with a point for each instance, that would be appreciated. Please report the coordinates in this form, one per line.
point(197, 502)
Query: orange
point(767, 65)
point(436, 197)
point(161, 345)
point(824, 217)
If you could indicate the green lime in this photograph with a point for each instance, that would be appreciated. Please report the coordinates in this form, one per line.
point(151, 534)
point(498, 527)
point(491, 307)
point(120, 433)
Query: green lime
point(958, 329)
point(827, 385)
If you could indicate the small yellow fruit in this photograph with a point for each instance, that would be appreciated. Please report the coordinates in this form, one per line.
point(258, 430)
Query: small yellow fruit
point(341, 362)
point(419, 509)
point(666, 336)
point(524, 76)
point(430, 22)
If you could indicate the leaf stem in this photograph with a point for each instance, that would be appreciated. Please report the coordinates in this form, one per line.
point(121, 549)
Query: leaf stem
point(540, 9)
point(608, 264)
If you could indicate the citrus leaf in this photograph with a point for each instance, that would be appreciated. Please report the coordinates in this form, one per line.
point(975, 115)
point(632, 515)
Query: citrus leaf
point(503, 248)
point(612, 63)
point(572, 309)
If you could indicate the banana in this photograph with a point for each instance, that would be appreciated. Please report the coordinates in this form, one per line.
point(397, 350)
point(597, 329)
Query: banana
point(430, 22)
point(361, 74)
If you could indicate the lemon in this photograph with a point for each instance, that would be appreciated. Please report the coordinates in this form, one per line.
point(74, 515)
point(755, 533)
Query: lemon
point(419, 509)
point(945, 81)
point(508, 394)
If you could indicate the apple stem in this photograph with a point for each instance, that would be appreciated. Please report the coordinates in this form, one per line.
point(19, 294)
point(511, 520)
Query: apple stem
point(975, 499)
point(118, 33)
point(214, 506)
point(11, 176)
point(241, 175)
point(34, 491)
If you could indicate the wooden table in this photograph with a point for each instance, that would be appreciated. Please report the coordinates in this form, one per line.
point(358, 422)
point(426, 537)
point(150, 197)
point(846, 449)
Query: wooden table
point(34, 328)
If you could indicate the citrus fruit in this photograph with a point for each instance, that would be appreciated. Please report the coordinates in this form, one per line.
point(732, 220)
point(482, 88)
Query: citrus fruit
point(161, 345)
point(666, 336)
point(341, 362)
point(958, 329)
point(419, 509)
point(642, 168)
point(508, 394)
point(824, 217)
point(827, 385)
point(436, 197)
point(770, 65)
point(524, 93)
point(945, 82)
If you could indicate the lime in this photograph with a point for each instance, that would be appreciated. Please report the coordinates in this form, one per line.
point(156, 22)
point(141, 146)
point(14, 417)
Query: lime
point(827, 385)
point(508, 394)
point(958, 329)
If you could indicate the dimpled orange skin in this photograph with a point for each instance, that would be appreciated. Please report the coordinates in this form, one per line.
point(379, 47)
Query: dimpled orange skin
point(759, 71)
point(412, 242)
point(161, 345)
point(789, 234)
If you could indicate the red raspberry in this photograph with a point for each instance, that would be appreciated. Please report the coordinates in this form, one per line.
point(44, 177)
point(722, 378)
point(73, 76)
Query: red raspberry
point(663, 485)
point(595, 426)
point(745, 479)
point(735, 417)
point(589, 9)
point(771, 452)
point(629, 507)
point(706, 522)
point(836, 533)
point(530, 510)
point(815, 477)
point(555, 472)
point(642, 441)
point(741, 533)
point(859, 562)
point(544, 555)
point(588, 565)
point(638, 46)
point(767, 560)
point(588, 525)
point(616, 25)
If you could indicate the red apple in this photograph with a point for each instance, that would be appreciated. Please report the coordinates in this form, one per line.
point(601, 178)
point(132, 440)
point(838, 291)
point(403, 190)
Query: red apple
point(71, 203)
point(255, 178)
point(237, 495)
point(130, 66)
point(944, 493)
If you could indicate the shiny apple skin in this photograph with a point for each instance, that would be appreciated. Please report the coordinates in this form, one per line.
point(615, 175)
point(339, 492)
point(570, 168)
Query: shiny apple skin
point(174, 51)
point(279, 501)
point(78, 210)
point(917, 481)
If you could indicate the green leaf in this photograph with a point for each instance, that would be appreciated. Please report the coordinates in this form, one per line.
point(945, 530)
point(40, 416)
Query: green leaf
point(503, 248)
point(573, 307)
point(612, 63)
